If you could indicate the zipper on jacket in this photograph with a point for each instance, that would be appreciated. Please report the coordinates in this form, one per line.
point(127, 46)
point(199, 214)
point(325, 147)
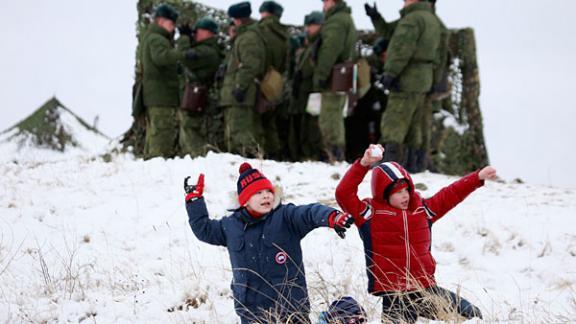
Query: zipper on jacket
point(407, 246)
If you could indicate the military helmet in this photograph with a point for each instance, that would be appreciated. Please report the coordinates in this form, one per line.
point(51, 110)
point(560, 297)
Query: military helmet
point(272, 7)
point(166, 11)
point(240, 10)
point(314, 18)
point(207, 23)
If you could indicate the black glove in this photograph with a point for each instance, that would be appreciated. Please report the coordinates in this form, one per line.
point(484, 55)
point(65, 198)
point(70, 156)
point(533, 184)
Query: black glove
point(340, 222)
point(372, 12)
point(185, 30)
point(388, 82)
point(439, 90)
point(191, 55)
point(239, 94)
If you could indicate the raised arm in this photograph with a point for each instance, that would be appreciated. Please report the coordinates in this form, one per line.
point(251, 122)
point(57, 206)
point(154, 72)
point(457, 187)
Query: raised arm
point(206, 229)
point(449, 197)
point(347, 189)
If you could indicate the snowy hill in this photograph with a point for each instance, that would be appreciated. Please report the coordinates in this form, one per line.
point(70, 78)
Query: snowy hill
point(50, 131)
point(82, 239)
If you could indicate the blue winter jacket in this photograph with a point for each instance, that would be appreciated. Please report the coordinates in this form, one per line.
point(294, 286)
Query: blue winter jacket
point(265, 253)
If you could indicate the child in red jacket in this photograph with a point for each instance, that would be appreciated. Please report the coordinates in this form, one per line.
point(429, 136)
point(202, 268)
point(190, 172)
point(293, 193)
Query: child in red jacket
point(395, 227)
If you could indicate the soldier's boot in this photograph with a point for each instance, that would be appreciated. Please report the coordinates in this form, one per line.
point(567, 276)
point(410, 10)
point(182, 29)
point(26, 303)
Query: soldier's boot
point(410, 162)
point(335, 154)
point(392, 152)
point(421, 160)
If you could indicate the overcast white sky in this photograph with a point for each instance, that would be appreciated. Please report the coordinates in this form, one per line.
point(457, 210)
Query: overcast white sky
point(83, 52)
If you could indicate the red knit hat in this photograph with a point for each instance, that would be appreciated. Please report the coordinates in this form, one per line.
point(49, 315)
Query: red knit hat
point(250, 182)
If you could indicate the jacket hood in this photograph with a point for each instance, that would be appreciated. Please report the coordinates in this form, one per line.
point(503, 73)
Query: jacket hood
point(386, 175)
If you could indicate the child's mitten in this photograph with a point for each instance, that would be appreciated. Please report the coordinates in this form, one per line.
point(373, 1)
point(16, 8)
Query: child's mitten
point(194, 192)
point(340, 221)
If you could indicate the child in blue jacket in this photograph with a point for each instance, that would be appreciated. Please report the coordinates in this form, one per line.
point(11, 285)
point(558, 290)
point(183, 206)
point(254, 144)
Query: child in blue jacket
point(263, 241)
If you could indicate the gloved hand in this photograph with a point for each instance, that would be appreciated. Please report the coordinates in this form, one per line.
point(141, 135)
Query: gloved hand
point(191, 55)
point(185, 30)
point(239, 94)
point(340, 222)
point(371, 12)
point(388, 82)
point(194, 192)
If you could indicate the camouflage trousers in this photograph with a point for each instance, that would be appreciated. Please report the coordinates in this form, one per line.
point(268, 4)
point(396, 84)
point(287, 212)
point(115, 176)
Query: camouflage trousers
point(161, 132)
point(200, 132)
point(332, 123)
point(401, 122)
point(243, 131)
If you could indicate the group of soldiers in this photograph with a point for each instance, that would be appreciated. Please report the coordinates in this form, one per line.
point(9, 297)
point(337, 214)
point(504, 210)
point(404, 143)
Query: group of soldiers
point(253, 94)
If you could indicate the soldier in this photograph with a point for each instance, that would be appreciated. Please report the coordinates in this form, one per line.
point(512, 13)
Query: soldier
point(200, 126)
point(160, 83)
point(276, 39)
point(337, 44)
point(408, 74)
point(305, 140)
point(243, 126)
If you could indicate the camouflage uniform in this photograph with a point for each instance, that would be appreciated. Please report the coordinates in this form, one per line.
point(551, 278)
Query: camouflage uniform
point(276, 40)
point(200, 131)
point(338, 39)
point(243, 126)
point(160, 91)
point(305, 140)
point(410, 60)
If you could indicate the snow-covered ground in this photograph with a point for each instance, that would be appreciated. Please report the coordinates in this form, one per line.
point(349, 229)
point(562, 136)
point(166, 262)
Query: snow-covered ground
point(86, 240)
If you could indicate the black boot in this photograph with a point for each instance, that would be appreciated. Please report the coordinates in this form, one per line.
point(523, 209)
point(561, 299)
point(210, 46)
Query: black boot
point(411, 160)
point(421, 160)
point(392, 152)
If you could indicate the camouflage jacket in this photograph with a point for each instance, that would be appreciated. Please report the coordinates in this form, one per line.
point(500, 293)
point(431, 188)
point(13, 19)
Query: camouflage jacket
point(276, 38)
point(337, 42)
point(209, 57)
point(413, 50)
point(160, 68)
point(245, 66)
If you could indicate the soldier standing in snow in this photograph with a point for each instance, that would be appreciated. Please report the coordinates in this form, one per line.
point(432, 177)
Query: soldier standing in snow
point(243, 126)
point(200, 124)
point(160, 83)
point(305, 141)
point(337, 44)
point(276, 41)
point(395, 226)
point(263, 240)
point(408, 74)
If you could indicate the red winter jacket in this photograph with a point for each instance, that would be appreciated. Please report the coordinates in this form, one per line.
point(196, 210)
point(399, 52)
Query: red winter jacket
point(397, 242)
